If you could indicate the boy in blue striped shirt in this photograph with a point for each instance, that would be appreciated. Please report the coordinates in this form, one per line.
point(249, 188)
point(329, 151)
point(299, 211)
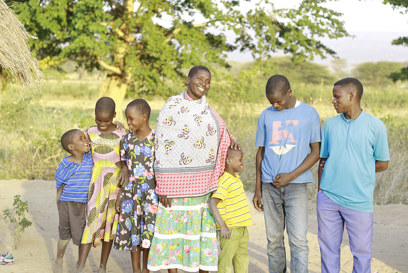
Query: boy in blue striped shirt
point(73, 176)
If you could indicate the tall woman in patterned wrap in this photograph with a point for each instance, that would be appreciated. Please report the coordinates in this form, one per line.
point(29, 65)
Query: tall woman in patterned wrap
point(191, 148)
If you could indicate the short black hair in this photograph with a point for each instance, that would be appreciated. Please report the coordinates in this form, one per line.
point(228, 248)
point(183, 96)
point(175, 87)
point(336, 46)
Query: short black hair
point(197, 68)
point(351, 85)
point(232, 152)
point(140, 105)
point(105, 105)
point(277, 83)
point(66, 138)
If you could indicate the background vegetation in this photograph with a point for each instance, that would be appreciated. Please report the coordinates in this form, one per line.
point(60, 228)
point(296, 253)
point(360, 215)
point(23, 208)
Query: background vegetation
point(31, 123)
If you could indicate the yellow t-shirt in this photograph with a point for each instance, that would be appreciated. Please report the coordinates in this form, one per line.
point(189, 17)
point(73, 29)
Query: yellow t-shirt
point(233, 207)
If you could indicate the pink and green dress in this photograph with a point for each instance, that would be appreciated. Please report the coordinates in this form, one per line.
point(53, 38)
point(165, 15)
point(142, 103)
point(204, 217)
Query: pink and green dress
point(102, 219)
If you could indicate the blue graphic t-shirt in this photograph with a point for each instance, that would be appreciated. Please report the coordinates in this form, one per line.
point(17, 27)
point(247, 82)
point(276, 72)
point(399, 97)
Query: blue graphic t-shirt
point(286, 136)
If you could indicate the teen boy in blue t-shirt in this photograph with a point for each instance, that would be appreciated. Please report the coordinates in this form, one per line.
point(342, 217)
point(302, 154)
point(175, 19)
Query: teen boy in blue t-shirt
point(288, 137)
point(354, 147)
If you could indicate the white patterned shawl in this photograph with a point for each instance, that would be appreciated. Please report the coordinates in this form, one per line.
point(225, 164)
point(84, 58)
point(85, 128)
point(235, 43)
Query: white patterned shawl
point(191, 147)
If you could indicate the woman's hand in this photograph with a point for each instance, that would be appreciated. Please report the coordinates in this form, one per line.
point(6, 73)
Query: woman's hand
point(234, 145)
point(166, 202)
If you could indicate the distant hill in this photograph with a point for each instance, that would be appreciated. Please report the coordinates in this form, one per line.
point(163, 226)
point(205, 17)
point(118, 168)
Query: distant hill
point(365, 47)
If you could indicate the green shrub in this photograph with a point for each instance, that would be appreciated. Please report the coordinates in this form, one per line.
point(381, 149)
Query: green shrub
point(17, 218)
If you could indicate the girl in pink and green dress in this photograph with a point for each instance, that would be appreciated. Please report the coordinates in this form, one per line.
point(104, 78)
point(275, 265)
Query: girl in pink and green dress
point(102, 219)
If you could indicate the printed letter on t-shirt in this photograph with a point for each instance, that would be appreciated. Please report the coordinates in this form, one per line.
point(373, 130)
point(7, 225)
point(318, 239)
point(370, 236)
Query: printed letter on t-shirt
point(282, 138)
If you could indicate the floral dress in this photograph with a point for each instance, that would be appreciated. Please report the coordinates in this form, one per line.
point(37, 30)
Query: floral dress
point(185, 236)
point(138, 199)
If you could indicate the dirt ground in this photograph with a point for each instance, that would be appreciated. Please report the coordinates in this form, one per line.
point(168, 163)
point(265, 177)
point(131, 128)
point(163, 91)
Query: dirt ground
point(37, 250)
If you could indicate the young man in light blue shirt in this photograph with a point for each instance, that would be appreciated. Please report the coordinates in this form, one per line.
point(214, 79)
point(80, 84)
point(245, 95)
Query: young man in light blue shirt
point(354, 147)
point(288, 137)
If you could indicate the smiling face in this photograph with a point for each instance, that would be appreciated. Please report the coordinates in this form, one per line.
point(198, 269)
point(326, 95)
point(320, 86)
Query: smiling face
point(235, 161)
point(198, 84)
point(281, 101)
point(342, 99)
point(135, 119)
point(79, 142)
point(104, 120)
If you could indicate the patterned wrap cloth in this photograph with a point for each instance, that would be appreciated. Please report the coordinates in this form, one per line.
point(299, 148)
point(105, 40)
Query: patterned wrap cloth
point(191, 147)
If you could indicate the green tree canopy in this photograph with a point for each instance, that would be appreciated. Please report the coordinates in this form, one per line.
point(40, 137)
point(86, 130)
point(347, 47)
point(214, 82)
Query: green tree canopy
point(144, 42)
point(403, 40)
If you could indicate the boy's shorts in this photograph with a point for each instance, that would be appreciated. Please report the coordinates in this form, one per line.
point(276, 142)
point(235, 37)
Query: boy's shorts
point(71, 220)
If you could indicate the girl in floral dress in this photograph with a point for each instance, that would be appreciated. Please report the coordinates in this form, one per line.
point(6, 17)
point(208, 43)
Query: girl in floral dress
point(138, 201)
point(102, 219)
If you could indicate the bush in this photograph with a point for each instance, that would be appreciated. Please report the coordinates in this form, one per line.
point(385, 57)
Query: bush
point(17, 218)
point(376, 74)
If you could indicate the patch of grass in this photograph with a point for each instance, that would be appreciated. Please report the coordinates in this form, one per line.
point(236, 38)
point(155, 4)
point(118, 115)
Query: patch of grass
point(31, 126)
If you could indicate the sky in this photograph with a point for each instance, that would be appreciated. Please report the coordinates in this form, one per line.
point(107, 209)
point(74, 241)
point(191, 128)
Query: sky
point(374, 26)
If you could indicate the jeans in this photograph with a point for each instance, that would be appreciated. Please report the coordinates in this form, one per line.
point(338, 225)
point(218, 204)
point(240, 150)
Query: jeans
point(234, 252)
point(286, 206)
point(331, 218)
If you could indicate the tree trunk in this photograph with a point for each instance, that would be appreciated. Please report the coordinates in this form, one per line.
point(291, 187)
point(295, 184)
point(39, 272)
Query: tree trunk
point(117, 80)
point(115, 87)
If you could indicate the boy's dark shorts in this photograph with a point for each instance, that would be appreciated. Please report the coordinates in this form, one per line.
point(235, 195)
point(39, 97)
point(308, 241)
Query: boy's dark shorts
point(71, 220)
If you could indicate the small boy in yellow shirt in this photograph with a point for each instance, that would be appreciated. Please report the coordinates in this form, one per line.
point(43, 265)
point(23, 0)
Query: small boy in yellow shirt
point(229, 206)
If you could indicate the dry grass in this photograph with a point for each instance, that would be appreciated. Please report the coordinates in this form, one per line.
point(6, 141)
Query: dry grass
point(30, 132)
point(15, 56)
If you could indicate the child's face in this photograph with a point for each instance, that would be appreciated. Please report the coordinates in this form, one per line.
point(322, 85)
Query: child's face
point(135, 119)
point(235, 161)
point(79, 142)
point(104, 120)
point(280, 101)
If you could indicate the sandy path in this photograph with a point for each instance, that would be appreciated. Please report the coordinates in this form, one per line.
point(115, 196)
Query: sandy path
point(36, 252)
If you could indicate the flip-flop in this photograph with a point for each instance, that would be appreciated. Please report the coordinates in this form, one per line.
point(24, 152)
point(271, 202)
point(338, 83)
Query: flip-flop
point(6, 259)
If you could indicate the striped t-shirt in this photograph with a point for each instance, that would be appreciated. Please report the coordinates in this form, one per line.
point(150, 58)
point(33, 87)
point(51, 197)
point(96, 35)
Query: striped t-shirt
point(233, 207)
point(76, 178)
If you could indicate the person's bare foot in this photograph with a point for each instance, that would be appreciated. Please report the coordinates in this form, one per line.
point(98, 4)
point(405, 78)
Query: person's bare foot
point(145, 270)
point(102, 269)
point(58, 266)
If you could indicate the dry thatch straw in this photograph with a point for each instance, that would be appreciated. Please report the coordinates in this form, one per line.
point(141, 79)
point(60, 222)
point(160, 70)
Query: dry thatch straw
point(15, 55)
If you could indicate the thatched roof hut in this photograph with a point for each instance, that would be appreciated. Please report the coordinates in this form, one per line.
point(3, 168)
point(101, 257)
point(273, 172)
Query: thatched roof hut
point(15, 57)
